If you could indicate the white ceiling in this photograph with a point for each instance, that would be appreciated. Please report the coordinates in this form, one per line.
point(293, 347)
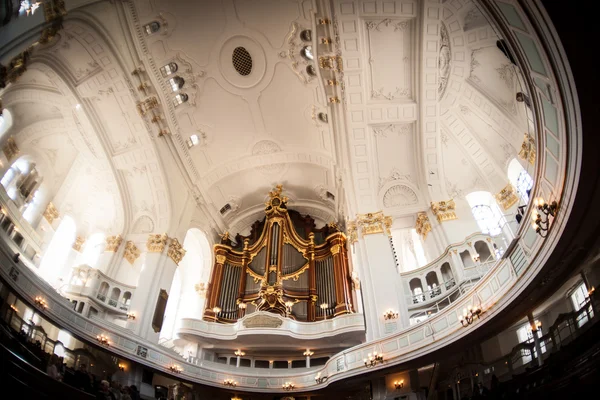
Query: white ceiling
point(423, 115)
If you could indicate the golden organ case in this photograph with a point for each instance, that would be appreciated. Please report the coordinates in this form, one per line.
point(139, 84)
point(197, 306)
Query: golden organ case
point(285, 266)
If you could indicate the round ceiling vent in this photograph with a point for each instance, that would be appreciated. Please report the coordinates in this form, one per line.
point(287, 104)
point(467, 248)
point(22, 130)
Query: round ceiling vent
point(242, 61)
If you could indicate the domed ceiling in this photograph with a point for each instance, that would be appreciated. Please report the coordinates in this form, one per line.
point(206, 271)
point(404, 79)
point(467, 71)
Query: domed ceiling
point(370, 111)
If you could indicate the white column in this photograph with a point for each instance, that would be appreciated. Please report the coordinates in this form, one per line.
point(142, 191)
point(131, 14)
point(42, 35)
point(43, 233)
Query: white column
point(157, 273)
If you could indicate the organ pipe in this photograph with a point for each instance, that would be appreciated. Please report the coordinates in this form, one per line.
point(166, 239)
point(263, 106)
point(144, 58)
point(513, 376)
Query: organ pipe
point(276, 265)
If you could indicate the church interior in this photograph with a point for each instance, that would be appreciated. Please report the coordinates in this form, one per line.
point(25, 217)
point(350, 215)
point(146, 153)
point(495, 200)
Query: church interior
point(298, 199)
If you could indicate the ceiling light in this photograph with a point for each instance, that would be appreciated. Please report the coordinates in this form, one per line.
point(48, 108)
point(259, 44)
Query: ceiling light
point(78, 106)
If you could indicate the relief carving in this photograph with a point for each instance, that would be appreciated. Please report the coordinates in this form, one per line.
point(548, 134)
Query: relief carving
point(262, 321)
point(156, 242)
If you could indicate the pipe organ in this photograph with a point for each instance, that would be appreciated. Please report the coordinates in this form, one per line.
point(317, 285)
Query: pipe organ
point(285, 266)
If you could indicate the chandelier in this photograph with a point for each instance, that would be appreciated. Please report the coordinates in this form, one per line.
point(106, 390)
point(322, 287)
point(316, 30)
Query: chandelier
point(308, 353)
point(469, 314)
point(540, 224)
point(103, 340)
point(175, 368)
point(319, 378)
point(239, 353)
point(288, 386)
point(390, 314)
point(399, 384)
point(230, 382)
point(41, 302)
point(130, 315)
point(373, 359)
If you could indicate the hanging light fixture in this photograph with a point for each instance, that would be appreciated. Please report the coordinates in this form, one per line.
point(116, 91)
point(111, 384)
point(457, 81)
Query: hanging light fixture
point(390, 314)
point(41, 302)
point(540, 215)
point(288, 386)
point(373, 359)
point(230, 382)
point(103, 340)
point(469, 314)
point(399, 384)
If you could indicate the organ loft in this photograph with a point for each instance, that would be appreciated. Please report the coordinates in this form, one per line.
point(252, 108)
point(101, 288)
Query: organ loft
point(284, 266)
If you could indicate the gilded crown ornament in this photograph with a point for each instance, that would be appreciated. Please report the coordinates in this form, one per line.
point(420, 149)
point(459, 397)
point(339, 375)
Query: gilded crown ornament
point(157, 242)
point(423, 226)
point(79, 241)
point(113, 243)
point(507, 197)
point(176, 251)
point(371, 223)
point(444, 210)
point(51, 213)
point(527, 151)
point(131, 252)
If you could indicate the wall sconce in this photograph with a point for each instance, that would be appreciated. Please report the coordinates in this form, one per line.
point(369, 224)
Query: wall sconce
point(548, 210)
point(288, 386)
point(590, 292)
point(121, 367)
point(40, 302)
point(390, 314)
point(320, 379)
point(308, 353)
point(12, 307)
point(537, 325)
point(103, 340)
point(242, 306)
point(469, 314)
point(476, 257)
point(216, 310)
point(236, 398)
point(399, 384)
point(239, 353)
point(230, 382)
point(175, 368)
point(324, 306)
point(373, 359)
point(130, 315)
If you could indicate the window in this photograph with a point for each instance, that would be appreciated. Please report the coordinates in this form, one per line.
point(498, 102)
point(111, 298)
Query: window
point(578, 298)
point(520, 179)
point(307, 53)
point(180, 99)
point(310, 70)
point(168, 69)
point(94, 246)
point(486, 212)
point(152, 27)
point(176, 83)
point(242, 61)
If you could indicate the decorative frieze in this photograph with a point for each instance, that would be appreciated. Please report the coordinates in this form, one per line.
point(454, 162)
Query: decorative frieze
point(176, 251)
point(444, 210)
point(373, 223)
point(507, 197)
point(352, 232)
point(527, 151)
point(131, 252)
point(79, 241)
point(10, 149)
point(423, 226)
point(113, 243)
point(157, 242)
point(51, 213)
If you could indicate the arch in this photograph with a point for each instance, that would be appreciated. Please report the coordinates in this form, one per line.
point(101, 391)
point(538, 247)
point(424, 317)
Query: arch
point(94, 246)
point(447, 275)
point(483, 250)
point(115, 294)
point(486, 212)
point(103, 291)
point(52, 266)
point(467, 259)
point(125, 301)
point(433, 284)
point(416, 288)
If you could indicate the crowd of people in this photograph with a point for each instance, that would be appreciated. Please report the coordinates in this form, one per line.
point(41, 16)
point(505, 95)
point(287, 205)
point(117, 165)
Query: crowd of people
point(81, 378)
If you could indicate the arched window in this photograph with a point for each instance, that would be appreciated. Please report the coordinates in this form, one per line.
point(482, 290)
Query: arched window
point(486, 212)
point(176, 83)
point(94, 246)
point(307, 53)
point(408, 247)
point(520, 179)
point(53, 262)
point(5, 122)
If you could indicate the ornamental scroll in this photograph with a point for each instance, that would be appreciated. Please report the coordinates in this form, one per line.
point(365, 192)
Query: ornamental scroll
point(285, 266)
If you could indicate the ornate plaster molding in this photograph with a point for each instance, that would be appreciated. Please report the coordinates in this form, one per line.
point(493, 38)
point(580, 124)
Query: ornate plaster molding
point(113, 243)
point(176, 251)
point(157, 242)
point(79, 241)
point(131, 252)
point(423, 226)
point(507, 197)
point(371, 224)
point(444, 210)
point(51, 213)
point(527, 151)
